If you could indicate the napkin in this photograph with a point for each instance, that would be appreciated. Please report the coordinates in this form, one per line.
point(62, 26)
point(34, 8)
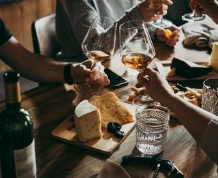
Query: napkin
point(201, 33)
point(111, 169)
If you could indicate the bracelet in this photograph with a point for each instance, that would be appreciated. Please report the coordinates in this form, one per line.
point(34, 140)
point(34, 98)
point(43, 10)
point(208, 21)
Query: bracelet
point(67, 74)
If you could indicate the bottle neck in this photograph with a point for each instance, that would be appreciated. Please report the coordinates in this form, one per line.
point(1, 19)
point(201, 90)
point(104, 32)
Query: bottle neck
point(13, 97)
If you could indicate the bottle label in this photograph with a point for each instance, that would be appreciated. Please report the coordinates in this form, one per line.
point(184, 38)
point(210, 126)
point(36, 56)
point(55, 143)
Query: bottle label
point(25, 161)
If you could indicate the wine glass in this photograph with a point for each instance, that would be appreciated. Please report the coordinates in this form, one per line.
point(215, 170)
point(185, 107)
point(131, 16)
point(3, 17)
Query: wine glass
point(191, 17)
point(161, 22)
point(136, 49)
point(98, 45)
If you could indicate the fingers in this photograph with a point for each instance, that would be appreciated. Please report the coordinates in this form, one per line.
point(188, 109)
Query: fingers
point(97, 76)
point(166, 2)
point(169, 40)
point(87, 63)
point(174, 38)
point(152, 10)
point(160, 9)
point(174, 28)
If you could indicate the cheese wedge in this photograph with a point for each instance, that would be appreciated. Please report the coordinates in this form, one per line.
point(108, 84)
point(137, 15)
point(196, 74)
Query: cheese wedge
point(214, 57)
point(87, 119)
point(112, 109)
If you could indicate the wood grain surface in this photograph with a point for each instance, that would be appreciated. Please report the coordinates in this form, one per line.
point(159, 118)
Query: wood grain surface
point(50, 105)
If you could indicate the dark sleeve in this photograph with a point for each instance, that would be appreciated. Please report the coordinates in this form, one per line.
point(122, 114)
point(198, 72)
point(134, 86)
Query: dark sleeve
point(5, 35)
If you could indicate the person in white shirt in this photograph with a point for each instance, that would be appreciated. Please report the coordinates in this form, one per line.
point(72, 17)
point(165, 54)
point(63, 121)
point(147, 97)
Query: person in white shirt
point(73, 18)
point(44, 69)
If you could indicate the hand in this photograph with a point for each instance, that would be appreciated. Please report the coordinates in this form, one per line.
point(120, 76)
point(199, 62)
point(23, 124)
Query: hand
point(82, 73)
point(209, 7)
point(155, 84)
point(172, 40)
point(153, 9)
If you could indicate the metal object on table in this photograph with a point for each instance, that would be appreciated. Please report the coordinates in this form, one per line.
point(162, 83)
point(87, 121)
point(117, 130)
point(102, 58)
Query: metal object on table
point(156, 171)
point(167, 166)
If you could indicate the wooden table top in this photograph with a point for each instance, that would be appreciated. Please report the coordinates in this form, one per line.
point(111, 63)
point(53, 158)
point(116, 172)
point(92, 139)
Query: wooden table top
point(51, 104)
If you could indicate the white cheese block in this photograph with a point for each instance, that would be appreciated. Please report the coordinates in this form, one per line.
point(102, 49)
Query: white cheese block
point(214, 57)
point(87, 119)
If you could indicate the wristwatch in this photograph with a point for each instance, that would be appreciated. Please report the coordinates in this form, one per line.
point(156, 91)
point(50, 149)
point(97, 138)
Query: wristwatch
point(67, 74)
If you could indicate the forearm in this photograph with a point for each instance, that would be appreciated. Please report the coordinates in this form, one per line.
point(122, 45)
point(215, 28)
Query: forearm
point(192, 117)
point(42, 69)
point(32, 66)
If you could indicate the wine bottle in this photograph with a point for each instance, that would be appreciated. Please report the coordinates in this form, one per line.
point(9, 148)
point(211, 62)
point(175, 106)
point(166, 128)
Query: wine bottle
point(17, 146)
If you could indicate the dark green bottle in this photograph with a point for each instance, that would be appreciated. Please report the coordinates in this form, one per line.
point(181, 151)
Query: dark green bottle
point(16, 133)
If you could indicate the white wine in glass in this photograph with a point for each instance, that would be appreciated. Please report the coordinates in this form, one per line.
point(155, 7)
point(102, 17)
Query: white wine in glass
point(136, 48)
point(98, 45)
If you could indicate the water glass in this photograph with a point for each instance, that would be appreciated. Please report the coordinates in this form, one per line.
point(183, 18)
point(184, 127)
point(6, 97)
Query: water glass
point(151, 128)
point(210, 95)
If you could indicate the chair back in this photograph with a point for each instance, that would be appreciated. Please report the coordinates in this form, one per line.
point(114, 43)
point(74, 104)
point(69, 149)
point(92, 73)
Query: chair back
point(44, 36)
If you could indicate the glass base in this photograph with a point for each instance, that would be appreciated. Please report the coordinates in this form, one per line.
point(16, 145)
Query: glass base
point(164, 23)
point(191, 17)
point(142, 100)
point(87, 90)
point(132, 71)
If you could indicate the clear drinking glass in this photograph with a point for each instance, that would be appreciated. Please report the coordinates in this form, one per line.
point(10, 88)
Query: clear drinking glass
point(98, 45)
point(136, 48)
point(151, 128)
point(210, 95)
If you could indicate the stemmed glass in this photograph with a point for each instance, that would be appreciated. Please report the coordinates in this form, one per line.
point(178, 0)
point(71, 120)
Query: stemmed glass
point(161, 22)
point(98, 45)
point(136, 48)
point(191, 17)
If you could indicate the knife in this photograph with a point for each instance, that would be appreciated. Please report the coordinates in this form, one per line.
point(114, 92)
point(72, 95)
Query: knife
point(167, 166)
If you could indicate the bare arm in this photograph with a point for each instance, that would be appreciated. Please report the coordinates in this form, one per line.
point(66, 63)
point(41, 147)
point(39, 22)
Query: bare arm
point(33, 66)
point(43, 69)
point(192, 117)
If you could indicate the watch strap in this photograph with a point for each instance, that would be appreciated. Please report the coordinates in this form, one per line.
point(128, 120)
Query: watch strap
point(67, 74)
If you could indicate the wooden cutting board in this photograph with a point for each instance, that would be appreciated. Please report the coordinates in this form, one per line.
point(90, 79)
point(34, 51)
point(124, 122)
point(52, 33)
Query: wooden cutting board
point(164, 69)
point(107, 144)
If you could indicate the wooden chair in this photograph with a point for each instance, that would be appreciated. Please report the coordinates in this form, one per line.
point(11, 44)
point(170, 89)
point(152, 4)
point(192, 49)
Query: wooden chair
point(44, 36)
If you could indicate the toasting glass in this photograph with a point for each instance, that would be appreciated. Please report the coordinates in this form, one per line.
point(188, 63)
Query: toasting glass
point(161, 22)
point(191, 17)
point(136, 48)
point(98, 45)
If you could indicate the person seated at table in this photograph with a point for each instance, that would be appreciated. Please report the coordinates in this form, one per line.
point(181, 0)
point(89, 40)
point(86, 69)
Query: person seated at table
point(201, 124)
point(74, 17)
point(209, 7)
point(43, 69)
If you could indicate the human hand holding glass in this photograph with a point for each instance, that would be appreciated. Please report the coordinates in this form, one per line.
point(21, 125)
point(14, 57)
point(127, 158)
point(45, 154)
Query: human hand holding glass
point(98, 45)
point(161, 22)
point(191, 17)
point(136, 47)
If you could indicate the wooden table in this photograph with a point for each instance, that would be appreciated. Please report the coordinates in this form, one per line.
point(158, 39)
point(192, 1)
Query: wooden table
point(51, 104)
